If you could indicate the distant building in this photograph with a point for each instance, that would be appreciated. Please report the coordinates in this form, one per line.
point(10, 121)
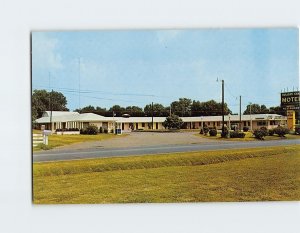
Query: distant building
point(67, 120)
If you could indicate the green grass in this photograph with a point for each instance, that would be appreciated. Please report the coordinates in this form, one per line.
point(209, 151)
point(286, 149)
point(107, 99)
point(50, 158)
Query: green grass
point(249, 137)
point(240, 175)
point(62, 140)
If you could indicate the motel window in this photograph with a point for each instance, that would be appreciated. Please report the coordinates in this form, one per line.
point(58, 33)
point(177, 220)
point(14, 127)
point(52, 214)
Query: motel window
point(261, 123)
point(208, 123)
point(143, 124)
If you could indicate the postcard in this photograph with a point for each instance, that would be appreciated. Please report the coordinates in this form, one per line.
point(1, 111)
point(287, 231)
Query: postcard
point(165, 116)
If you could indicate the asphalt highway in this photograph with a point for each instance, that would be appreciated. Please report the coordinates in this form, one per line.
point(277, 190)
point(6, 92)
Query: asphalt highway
point(72, 154)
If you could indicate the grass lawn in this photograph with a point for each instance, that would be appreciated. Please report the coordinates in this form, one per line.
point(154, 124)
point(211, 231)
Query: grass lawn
point(61, 140)
point(249, 137)
point(240, 175)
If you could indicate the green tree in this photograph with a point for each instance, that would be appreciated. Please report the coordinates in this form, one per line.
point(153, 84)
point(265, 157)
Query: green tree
point(172, 122)
point(101, 111)
point(182, 107)
point(256, 109)
point(277, 110)
point(134, 111)
point(117, 110)
point(158, 110)
point(208, 108)
point(45, 101)
point(87, 109)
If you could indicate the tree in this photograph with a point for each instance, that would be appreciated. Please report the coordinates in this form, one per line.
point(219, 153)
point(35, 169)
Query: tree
point(134, 111)
point(87, 109)
point(101, 111)
point(172, 122)
point(277, 110)
point(208, 108)
point(182, 107)
point(117, 110)
point(256, 109)
point(158, 110)
point(46, 101)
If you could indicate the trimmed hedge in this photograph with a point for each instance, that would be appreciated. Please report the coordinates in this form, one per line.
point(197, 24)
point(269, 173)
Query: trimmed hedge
point(245, 128)
point(90, 130)
point(260, 134)
point(65, 130)
point(281, 131)
point(205, 130)
point(225, 133)
point(235, 134)
point(271, 132)
point(213, 132)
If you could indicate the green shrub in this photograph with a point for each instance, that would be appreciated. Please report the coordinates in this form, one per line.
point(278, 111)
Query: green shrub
point(201, 131)
point(236, 134)
point(260, 134)
point(213, 132)
point(205, 130)
point(90, 130)
point(105, 130)
point(264, 129)
point(281, 131)
point(173, 122)
point(225, 133)
point(245, 129)
point(271, 132)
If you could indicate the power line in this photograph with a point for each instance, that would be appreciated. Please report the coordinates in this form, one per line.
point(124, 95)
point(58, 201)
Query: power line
point(104, 92)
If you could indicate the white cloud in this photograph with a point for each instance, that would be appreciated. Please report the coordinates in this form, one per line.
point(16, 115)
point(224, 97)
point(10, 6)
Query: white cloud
point(166, 35)
point(44, 55)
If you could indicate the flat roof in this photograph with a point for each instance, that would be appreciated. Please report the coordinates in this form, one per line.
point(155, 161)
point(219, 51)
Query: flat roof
point(61, 116)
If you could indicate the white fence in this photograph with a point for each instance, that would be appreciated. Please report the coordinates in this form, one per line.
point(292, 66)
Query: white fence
point(39, 138)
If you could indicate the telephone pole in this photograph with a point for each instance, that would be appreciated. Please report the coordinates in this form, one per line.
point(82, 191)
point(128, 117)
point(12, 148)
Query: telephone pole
point(240, 112)
point(250, 117)
point(152, 113)
point(222, 107)
point(51, 106)
point(79, 82)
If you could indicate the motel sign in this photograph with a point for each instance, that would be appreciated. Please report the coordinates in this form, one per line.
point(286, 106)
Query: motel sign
point(290, 100)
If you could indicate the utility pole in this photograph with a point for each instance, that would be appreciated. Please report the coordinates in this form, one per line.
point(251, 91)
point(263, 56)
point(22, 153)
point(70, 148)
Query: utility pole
point(49, 75)
point(79, 82)
point(250, 117)
point(51, 106)
point(240, 112)
point(222, 107)
point(152, 113)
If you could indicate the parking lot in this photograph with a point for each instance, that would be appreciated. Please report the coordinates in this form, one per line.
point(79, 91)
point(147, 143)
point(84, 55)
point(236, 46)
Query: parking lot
point(142, 139)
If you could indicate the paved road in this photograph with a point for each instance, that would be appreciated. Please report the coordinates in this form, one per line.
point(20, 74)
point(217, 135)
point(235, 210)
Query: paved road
point(71, 154)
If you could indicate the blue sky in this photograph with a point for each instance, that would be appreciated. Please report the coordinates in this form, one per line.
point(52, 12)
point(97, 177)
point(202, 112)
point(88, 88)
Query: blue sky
point(140, 66)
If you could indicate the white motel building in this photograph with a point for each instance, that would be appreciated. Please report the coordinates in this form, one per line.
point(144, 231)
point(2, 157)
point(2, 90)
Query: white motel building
point(66, 120)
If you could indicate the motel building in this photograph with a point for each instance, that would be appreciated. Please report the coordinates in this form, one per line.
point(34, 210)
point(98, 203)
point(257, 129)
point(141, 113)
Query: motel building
point(67, 120)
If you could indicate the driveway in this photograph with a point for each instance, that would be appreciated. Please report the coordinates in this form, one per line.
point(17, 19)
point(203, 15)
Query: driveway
point(142, 139)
